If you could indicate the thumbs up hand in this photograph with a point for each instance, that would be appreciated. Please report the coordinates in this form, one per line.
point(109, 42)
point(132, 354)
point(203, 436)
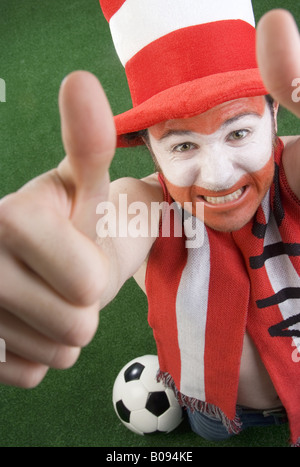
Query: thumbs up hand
point(53, 274)
point(89, 139)
point(278, 56)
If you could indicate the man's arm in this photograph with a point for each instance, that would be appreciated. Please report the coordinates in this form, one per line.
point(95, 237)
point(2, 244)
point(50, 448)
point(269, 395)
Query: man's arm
point(54, 276)
point(135, 230)
point(278, 54)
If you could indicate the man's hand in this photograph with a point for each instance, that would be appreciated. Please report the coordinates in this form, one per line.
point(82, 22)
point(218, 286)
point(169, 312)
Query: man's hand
point(52, 273)
point(278, 56)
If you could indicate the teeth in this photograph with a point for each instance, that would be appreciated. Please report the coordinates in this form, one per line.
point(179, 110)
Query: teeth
point(224, 199)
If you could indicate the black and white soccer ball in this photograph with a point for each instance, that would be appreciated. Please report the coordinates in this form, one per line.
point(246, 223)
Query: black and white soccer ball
point(144, 405)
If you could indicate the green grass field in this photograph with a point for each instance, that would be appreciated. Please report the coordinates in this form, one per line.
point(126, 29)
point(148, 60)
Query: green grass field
point(40, 43)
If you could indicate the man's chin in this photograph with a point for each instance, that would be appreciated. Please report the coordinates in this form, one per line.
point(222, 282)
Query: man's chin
point(228, 223)
point(227, 229)
point(234, 216)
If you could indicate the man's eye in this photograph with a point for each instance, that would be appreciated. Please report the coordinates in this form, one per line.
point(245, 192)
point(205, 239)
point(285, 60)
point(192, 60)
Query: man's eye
point(237, 135)
point(184, 147)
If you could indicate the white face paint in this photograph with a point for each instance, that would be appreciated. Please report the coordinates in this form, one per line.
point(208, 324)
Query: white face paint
point(216, 161)
point(223, 158)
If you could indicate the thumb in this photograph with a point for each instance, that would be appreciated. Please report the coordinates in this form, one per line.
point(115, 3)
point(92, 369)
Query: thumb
point(89, 139)
point(278, 56)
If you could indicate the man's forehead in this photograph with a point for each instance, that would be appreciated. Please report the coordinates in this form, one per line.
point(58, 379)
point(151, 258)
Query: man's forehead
point(210, 121)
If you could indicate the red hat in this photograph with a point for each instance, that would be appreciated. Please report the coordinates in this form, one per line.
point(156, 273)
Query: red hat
point(182, 57)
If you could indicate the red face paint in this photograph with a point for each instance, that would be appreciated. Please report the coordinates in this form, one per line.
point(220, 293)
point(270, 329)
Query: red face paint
point(232, 215)
point(209, 122)
point(231, 179)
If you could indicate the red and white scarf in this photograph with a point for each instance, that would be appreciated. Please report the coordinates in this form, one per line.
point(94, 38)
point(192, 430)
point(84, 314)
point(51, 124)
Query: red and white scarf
point(202, 300)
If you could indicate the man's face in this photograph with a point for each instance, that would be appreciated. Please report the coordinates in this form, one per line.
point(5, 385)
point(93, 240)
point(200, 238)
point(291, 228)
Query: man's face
point(222, 158)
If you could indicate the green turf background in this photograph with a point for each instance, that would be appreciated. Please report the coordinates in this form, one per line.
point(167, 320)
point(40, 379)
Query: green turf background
point(40, 42)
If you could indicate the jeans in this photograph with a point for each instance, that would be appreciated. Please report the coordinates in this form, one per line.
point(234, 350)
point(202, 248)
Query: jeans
point(212, 429)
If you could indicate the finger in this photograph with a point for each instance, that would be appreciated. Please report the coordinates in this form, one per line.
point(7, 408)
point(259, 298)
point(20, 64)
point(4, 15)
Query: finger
point(89, 138)
point(52, 248)
point(17, 371)
point(88, 130)
point(32, 301)
point(24, 341)
point(278, 56)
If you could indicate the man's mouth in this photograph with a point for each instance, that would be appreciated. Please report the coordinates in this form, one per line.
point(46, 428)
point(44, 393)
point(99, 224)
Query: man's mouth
point(225, 199)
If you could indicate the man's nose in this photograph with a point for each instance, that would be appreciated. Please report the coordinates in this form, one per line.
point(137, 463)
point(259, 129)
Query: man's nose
point(217, 172)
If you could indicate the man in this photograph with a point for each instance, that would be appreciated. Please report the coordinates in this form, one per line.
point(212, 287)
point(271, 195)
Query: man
point(49, 223)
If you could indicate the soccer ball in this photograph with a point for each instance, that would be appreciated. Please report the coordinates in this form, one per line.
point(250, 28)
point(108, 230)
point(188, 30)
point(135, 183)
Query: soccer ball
point(142, 404)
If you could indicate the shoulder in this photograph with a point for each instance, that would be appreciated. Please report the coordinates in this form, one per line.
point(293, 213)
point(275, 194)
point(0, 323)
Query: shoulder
point(147, 189)
point(290, 141)
point(140, 193)
point(291, 162)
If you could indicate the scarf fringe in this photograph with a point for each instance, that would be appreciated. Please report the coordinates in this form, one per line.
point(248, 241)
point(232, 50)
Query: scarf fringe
point(233, 426)
point(297, 444)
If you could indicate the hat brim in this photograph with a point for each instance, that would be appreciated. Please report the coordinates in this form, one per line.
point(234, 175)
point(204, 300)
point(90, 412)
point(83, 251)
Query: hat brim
point(186, 100)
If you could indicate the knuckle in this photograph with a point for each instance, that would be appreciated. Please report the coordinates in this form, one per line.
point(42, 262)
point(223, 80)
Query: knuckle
point(14, 219)
point(64, 357)
point(31, 375)
point(87, 289)
point(15, 210)
point(83, 328)
point(91, 281)
point(7, 217)
point(86, 292)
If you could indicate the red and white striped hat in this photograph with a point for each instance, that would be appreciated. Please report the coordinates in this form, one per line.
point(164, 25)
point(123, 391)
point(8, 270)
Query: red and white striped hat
point(182, 57)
